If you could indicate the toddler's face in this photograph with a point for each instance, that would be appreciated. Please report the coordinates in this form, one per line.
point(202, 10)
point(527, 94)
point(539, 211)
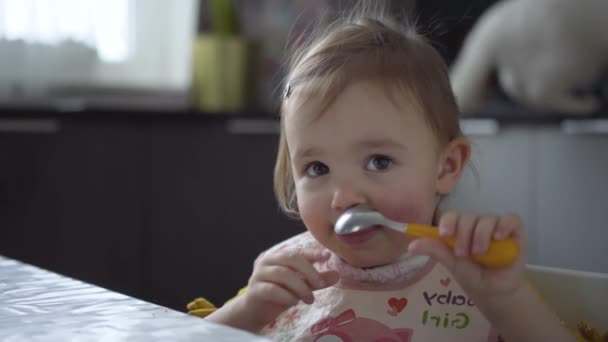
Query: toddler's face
point(364, 149)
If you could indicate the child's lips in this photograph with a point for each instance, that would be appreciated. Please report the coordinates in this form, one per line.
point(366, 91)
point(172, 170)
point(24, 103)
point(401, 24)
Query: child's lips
point(360, 236)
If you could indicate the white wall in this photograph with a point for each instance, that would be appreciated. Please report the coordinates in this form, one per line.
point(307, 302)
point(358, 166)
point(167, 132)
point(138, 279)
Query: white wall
point(557, 182)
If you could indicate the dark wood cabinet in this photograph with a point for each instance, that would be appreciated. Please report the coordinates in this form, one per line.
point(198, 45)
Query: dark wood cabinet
point(163, 209)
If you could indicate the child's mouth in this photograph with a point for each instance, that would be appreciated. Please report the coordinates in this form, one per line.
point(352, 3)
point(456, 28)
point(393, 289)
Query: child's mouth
point(360, 236)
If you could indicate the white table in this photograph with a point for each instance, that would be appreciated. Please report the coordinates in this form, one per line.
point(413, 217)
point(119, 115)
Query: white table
point(38, 305)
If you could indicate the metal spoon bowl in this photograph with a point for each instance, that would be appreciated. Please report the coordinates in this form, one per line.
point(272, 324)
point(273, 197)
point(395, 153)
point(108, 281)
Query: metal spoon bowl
point(500, 253)
point(360, 218)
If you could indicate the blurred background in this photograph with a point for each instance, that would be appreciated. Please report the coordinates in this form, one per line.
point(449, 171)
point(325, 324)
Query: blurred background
point(138, 137)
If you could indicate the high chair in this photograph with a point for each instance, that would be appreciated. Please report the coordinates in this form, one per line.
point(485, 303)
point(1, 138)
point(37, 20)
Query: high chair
point(576, 296)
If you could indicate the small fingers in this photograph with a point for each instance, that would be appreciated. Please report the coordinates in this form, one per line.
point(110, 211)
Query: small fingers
point(508, 225)
point(464, 232)
point(486, 225)
point(447, 224)
point(288, 279)
point(276, 294)
point(330, 277)
point(299, 262)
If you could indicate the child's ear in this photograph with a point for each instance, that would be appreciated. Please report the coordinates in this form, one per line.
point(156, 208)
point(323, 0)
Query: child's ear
point(454, 159)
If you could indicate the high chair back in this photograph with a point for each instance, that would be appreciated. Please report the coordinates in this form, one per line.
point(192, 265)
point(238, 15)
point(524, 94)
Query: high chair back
point(574, 295)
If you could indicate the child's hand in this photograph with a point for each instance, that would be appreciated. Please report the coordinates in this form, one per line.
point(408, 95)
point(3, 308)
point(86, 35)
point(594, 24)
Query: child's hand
point(280, 280)
point(473, 234)
point(500, 293)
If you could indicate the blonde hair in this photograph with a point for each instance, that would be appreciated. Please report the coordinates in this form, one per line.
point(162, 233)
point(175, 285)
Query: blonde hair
point(366, 45)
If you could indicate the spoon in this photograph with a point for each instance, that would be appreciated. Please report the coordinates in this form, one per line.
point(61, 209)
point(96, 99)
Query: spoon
point(500, 253)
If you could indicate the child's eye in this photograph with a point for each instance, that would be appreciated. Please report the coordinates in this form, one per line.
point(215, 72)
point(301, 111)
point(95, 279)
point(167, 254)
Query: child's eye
point(316, 169)
point(379, 163)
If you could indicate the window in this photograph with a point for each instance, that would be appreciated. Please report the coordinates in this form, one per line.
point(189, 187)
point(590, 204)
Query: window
point(103, 25)
point(47, 45)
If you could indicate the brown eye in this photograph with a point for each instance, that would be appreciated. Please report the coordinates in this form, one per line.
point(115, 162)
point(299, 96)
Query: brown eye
point(378, 163)
point(316, 169)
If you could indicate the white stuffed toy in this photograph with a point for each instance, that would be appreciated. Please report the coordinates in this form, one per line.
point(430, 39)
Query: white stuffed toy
point(547, 55)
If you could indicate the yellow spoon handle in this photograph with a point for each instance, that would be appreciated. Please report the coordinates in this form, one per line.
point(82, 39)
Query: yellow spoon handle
point(501, 253)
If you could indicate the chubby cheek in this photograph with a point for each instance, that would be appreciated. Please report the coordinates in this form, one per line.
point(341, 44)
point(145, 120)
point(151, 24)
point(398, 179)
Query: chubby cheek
point(312, 212)
point(408, 206)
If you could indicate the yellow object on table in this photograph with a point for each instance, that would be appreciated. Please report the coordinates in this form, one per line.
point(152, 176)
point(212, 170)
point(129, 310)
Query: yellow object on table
point(201, 307)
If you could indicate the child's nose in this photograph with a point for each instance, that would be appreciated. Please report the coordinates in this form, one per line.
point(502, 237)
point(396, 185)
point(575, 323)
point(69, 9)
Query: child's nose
point(345, 197)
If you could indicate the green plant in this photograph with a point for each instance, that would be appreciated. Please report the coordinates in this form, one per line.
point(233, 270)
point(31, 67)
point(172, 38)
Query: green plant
point(224, 19)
